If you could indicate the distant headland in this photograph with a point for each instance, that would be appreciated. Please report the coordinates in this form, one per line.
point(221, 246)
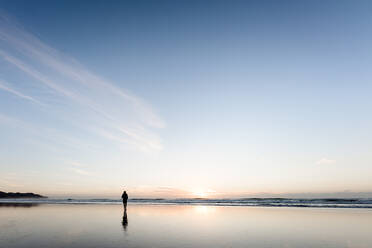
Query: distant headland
point(20, 195)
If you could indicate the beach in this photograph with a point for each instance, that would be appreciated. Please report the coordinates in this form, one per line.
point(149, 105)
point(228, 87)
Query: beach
point(106, 225)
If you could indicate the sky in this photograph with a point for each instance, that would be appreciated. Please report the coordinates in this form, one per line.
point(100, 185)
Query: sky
point(186, 98)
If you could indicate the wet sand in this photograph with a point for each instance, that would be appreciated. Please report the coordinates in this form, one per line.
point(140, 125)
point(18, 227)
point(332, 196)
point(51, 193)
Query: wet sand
point(63, 225)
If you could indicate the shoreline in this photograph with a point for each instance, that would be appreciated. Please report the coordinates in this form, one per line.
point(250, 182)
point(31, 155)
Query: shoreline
point(367, 204)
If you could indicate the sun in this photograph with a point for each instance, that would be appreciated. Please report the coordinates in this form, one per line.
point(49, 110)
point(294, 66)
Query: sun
point(199, 193)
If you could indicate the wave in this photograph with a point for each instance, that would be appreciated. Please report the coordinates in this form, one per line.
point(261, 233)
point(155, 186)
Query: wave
point(253, 202)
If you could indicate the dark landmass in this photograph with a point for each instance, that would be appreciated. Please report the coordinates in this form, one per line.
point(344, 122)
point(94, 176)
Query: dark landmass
point(20, 195)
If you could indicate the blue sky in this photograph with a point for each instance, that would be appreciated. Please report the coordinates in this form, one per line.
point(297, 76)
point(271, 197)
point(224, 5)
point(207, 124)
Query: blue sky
point(193, 98)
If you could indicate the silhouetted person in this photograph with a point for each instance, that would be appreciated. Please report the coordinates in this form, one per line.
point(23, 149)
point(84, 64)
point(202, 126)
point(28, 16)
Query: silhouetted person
point(124, 196)
point(125, 219)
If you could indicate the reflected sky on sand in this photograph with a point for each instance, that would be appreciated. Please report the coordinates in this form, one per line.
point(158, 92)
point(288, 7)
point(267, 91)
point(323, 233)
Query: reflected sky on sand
point(183, 226)
point(17, 204)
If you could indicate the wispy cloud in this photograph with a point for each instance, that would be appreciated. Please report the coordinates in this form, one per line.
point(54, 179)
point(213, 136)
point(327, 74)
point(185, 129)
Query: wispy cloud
point(15, 123)
point(4, 86)
point(77, 164)
point(53, 138)
point(79, 171)
point(325, 161)
point(14, 181)
point(75, 94)
point(5, 183)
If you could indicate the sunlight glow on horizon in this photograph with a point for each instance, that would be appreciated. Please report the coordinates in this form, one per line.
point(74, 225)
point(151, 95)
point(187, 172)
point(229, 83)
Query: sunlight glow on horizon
point(199, 193)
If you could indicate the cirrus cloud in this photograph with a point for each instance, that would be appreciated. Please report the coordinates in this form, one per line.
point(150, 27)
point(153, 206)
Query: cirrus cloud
point(326, 161)
point(67, 91)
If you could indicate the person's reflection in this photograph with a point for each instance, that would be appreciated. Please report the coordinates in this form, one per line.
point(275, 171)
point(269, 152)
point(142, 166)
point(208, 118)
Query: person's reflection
point(125, 219)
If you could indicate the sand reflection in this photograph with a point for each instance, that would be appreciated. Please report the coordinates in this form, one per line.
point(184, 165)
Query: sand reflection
point(182, 226)
point(18, 205)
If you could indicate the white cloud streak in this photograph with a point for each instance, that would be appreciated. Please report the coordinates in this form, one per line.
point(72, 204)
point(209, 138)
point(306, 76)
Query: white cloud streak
point(53, 138)
point(326, 161)
point(76, 93)
point(4, 86)
point(80, 171)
